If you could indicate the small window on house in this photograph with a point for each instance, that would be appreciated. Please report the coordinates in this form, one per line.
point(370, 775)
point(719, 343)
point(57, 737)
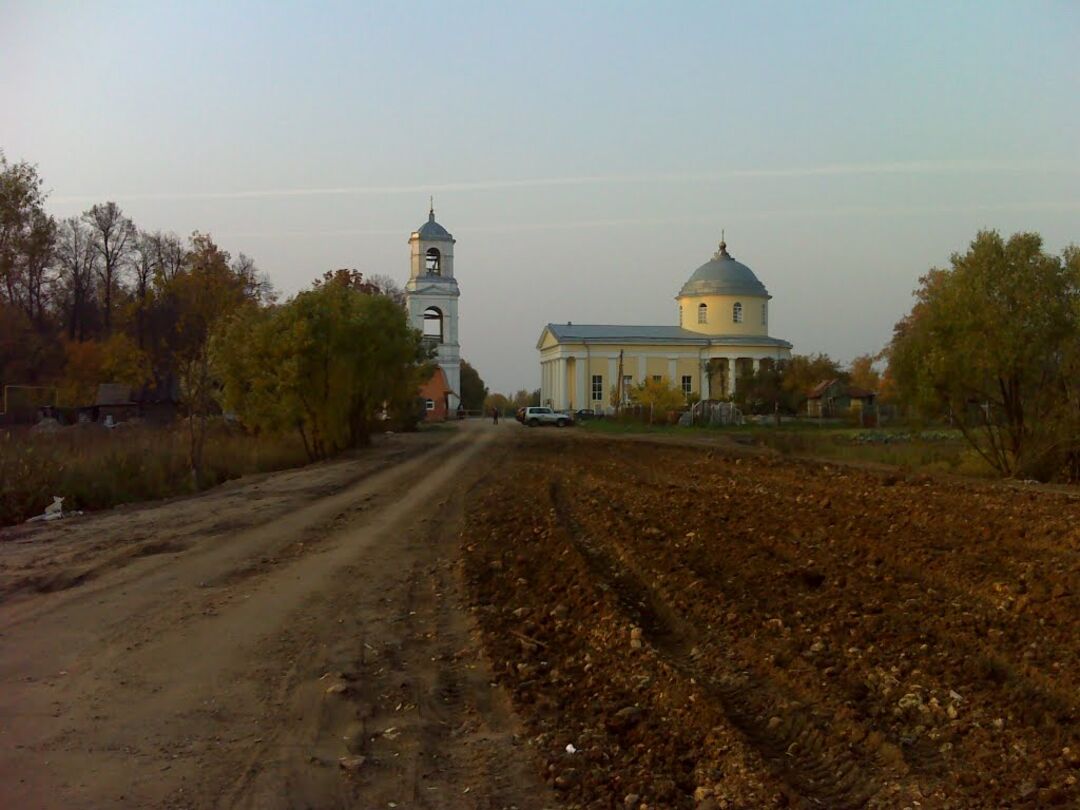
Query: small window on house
point(429, 404)
point(687, 385)
point(702, 313)
point(657, 378)
point(433, 262)
point(736, 312)
point(765, 314)
point(597, 387)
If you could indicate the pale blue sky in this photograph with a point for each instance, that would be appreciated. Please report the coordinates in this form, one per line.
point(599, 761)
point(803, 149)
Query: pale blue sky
point(585, 159)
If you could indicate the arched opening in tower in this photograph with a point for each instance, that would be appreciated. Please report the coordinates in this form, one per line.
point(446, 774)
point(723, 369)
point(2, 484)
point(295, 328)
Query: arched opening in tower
point(433, 262)
point(433, 324)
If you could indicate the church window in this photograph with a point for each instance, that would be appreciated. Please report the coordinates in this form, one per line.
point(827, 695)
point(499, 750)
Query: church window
point(703, 313)
point(736, 312)
point(687, 385)
point(433, 323)
point(433, 262)
point(656, 378)
point(597, 387)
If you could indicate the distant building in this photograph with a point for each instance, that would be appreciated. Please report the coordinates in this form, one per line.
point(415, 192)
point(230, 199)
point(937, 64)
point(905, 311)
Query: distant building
point(431, 297)
point(436, 395)
point(722, 335)
point(835, 398)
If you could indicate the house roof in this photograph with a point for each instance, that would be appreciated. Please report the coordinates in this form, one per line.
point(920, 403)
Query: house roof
point(113, 394)
point(620, 333)
point(852, 391)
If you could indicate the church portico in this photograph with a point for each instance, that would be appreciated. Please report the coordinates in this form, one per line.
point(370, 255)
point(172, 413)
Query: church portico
point(722, 336)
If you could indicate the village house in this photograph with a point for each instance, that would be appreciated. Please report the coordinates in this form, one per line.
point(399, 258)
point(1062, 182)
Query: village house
point(722, 334)
point(834, 399)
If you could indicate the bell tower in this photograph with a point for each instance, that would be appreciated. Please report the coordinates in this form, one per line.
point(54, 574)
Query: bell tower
point(432, 297)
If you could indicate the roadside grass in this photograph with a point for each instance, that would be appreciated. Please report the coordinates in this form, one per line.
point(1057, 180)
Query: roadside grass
point(94, 468)
point(943, 451)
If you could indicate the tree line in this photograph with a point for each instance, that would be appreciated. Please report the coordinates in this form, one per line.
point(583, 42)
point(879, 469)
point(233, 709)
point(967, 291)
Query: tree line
point(92, 299)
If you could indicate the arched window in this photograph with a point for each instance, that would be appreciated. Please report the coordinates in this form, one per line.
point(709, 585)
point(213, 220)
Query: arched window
point(736, 312)
point(433, 323)
point(702, 313)
point(433, 262)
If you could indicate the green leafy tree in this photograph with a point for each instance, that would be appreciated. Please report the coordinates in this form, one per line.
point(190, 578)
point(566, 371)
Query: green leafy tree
point(27, 236)
point(473, 391)
point(784, 385)
point(992, 343)
point(326, 363)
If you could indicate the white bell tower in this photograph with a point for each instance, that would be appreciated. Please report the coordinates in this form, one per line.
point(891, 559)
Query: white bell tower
point(432, 298)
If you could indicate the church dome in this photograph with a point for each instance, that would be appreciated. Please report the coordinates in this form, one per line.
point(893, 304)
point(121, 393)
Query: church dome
point(722, 275)
point(432, 231)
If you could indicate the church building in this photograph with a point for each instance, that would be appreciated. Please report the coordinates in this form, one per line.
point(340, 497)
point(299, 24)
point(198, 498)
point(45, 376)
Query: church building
point(722, 335)
point(431, 297)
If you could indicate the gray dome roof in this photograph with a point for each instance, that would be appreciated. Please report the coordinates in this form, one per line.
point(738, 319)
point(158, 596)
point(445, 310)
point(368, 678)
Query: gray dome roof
point(432, 231)
point(722, 275)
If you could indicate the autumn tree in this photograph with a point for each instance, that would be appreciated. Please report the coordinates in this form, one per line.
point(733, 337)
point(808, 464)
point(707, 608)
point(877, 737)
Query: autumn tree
point(113, 237)
point(862, 374)
point(496, 402)
point(992, 343)
point(205, 291)
point(658, 397)
point(76, 260)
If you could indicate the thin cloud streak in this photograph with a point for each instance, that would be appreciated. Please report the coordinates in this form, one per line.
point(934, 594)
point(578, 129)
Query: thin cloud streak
point(828, 170)
point(587, 224)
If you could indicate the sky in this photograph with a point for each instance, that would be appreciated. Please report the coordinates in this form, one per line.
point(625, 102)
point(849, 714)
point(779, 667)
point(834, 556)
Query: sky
point(584, 156)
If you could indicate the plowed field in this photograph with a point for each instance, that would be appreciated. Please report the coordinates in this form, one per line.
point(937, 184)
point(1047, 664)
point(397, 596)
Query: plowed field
point(679, 626)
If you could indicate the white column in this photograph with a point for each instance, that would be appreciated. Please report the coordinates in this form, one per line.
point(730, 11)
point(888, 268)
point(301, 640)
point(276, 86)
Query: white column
point(560, 386)
point(582, 394)
point(706, 386)
point(612, 380)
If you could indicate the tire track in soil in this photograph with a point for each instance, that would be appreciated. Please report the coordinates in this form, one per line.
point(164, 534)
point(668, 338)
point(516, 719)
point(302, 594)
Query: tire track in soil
point(814, 766)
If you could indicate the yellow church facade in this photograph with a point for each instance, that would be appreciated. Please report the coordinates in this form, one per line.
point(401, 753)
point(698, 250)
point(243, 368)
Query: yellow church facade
point(722, 334)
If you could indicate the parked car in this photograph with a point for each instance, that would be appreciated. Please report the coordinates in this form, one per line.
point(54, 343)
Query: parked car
point(536, 416)
point(585, 414)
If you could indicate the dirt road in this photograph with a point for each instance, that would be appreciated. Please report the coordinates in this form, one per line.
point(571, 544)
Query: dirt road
point(296, 640)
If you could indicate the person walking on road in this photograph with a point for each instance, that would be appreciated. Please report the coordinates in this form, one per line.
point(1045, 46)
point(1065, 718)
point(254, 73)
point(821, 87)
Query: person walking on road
point(495, 415)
